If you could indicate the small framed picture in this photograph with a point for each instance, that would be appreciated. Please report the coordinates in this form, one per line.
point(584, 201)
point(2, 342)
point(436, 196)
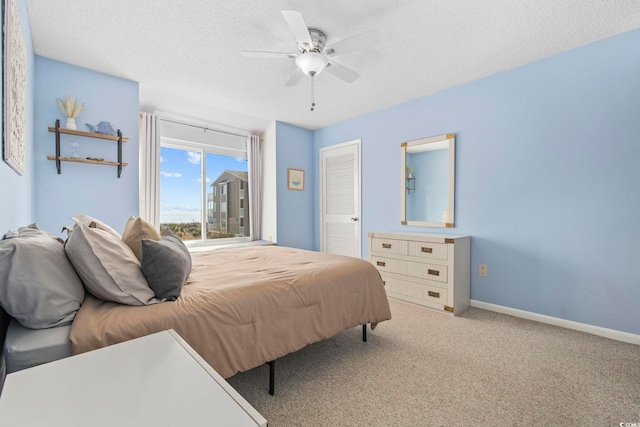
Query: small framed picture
point(296, 179)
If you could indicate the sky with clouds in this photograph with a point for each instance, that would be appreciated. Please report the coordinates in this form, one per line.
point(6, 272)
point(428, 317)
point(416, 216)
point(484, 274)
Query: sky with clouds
point(180, 180)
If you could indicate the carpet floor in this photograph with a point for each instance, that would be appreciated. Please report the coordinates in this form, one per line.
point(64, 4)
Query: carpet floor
point(424, 368)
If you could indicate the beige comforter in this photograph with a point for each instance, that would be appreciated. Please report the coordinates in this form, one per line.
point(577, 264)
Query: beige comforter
point(243, 307)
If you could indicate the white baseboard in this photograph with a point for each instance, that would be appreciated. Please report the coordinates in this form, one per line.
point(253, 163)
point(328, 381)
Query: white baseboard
point(569, 324)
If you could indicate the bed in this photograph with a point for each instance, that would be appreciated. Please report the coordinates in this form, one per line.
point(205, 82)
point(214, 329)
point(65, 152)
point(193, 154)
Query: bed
point(239, 308)
point(4, 324)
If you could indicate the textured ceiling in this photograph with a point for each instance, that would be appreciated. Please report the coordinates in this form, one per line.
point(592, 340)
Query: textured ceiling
point(186, 55)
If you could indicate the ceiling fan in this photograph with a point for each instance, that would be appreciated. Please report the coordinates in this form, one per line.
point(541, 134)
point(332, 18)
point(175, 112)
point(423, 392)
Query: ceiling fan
point(314, 55)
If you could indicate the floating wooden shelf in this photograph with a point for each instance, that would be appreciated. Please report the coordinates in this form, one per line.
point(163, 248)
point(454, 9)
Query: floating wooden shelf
point(87, 134)
point(58, 130)
point(95, 162)
point(411, 185)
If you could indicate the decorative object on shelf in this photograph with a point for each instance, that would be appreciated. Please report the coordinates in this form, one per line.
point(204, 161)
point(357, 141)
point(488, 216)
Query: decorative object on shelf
point(92, 160)
point(409, 171)
point(15, 81)
point(74, 150)
point(104, 128)
point(296, 179)
point(71, 108)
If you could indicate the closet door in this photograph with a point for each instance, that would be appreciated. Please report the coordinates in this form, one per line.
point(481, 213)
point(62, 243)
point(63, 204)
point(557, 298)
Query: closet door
point(340, 199)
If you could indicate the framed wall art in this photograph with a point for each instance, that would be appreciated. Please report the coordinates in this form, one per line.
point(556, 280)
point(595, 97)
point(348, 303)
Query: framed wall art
point(296, 179)
point(14, 88)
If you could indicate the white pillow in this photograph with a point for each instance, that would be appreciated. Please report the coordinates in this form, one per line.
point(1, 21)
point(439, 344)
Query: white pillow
point(95, 223)
point(107, 266)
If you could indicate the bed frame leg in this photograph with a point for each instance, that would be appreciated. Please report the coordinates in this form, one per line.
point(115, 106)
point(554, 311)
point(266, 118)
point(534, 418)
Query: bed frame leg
point(272, 365)
point(272, 377)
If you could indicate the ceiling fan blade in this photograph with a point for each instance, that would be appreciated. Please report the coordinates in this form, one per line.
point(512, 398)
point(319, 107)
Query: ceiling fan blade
point(298, 27)
point(268, 54)
point(361, 41)
point(295, 77)
point(342, 72)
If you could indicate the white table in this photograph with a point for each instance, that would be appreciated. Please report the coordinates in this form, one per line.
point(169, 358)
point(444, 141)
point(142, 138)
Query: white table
point(157, 380)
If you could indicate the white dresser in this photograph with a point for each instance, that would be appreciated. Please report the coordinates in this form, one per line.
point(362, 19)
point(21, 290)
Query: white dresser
point(432, 270)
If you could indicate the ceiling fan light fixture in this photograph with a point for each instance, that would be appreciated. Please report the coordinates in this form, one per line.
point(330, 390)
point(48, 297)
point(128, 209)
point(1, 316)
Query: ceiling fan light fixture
point(312, 63)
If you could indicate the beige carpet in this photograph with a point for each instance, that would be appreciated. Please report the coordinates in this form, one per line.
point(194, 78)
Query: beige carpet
point(427, 369)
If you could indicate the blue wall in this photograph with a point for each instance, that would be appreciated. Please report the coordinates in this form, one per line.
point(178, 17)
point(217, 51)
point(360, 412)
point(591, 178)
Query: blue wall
point(547, 179)
point(294, 208)
point(16, 192)
point(94, 190)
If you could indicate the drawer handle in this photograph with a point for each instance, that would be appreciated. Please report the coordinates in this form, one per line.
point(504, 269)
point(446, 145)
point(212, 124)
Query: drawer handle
point(434, 294)
point(433, 272)
point(381, 263)
point(386, 245)
point(427, 250)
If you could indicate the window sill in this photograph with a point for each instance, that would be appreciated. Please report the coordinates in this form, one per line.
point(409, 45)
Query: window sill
point(231, 245)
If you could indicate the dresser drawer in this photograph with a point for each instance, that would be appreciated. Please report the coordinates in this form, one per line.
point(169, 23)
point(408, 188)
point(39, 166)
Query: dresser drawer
point(402, 288)
point(428, 250)
point(389, 246)
point(437, 273)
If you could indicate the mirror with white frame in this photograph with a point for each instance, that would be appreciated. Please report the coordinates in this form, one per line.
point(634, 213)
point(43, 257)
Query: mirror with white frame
point(427, 181)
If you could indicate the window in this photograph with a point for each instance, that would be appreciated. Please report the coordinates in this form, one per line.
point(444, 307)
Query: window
point(193, 186)
point(180, 193)
point(241, 203)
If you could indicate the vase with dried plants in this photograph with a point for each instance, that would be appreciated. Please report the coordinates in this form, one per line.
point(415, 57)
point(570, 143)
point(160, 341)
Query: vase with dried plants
point(71, 108)
point(409, 171)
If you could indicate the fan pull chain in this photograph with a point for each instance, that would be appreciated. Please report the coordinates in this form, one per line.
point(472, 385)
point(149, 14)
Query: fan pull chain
point(313, 82)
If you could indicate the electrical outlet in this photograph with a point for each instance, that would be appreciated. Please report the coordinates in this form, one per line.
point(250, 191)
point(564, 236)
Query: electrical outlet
point(483, 271)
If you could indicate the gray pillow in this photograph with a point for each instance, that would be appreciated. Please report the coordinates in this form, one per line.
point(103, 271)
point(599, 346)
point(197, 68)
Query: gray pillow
point(38, 285)
point(34, 226)
point(166, 264)
point(107, 267)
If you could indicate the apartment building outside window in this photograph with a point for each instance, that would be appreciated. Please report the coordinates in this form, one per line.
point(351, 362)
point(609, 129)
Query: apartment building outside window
point(233, 217)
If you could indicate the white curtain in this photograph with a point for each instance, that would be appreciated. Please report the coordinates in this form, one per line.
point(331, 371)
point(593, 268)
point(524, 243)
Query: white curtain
point(149, 143)
point(255, 186)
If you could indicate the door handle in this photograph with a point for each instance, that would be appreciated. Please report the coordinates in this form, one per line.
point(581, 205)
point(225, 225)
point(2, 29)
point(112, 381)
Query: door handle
point(354, 219)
